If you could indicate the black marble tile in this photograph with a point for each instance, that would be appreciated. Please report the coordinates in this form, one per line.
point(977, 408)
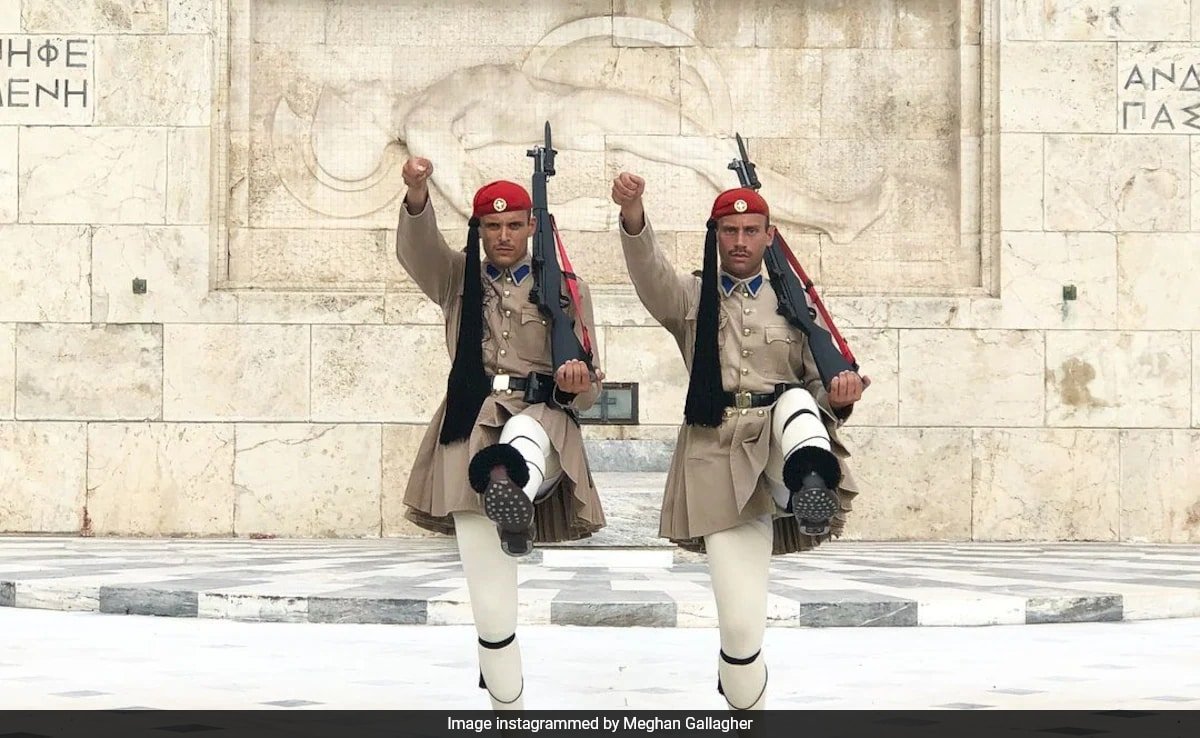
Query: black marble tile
point(614, 614)
point(138, 601)
point(1093, 609)
point(351, 610)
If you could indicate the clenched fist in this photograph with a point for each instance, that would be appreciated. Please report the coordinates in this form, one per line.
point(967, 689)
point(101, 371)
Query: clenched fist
point(416, 172)
point(627, 189)
point(574, 377)
point(847, 389)
point(416, 175)
point(627, 192)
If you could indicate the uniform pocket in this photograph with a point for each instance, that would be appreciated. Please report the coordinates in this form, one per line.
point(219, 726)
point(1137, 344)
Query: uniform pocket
point(532, 339)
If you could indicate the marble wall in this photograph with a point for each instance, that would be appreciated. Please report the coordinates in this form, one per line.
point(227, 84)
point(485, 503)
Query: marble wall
point(946, 169)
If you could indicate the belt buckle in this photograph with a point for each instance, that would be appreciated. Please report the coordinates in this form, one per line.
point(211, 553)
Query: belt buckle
point(742, 400)
point(500, 383)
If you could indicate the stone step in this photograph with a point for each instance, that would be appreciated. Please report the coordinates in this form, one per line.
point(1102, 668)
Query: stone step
point(641, 456)
point(631, 504)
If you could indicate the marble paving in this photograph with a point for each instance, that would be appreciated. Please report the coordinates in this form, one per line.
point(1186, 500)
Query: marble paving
point(85, 661)
point(406, 581)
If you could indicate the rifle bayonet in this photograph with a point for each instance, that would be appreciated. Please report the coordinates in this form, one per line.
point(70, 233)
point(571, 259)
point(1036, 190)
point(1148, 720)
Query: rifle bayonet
point(747, 175)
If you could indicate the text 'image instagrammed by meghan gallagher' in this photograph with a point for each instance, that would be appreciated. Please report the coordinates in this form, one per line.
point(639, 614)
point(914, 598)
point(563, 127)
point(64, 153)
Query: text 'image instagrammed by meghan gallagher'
point(602, 724)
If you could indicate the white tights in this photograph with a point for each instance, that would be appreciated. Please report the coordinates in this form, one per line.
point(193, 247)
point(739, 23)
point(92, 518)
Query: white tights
point(492, 584)
point(739, 562)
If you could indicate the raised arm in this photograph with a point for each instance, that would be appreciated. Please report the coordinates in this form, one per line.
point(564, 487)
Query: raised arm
point(666, 292)
point(433, 265)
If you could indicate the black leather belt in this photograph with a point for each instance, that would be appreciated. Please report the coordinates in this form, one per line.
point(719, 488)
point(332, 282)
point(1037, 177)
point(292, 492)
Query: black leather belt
point(743, 400)
point(535, 386)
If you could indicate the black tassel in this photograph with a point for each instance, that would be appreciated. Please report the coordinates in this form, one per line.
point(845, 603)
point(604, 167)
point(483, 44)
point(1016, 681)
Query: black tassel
point(467, 386)
point(705, 398)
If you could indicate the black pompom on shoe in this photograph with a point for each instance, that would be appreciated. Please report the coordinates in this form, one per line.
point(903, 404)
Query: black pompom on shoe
point(479, 471)
point(808, 459)
point(499, 474)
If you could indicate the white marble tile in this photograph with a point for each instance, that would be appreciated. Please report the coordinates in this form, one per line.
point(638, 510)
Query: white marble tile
point(871, 94)
point(1122, 183)
point(52, 595)
point(10, 17)
point(971, 378)
point(309, 307)
point(898, 500)
point(394, 374)
point(1046, 485)
point(308, 481)
point(1058, 88)
point(43, 472)
point(236, 372)
point(175, 264)
point(1022, 175)
point(191, 16)
point(154, 80)
point(1156, 283)
point(8, 174)
point(476, 22)
point(1100, 20)
point(8, 369)
point(1156, 88)
point(252, 607)
point(89, 371)
point(44, 273)
point(1034, 269)
point(189, 180)
point(1158, 485)
point(1118, 379)
point(94, 16)
point(93, 175)
point(705, 23)
point(977, 608)
point(160, 479)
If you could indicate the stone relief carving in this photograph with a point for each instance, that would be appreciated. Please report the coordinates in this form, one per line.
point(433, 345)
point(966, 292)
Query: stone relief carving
point(345, 161)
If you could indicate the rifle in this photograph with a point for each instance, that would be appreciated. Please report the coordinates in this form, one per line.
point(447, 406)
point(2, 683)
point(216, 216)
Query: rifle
point(791, 285)
point(546, 294)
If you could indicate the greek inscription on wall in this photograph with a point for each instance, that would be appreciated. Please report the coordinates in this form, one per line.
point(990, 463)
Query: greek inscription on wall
point(46, 80)
point(1160, 94)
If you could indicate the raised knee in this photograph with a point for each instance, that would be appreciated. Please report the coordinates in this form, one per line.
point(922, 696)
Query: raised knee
point(794, 403)
point(796, 400)
point(523, 426)
point(798, 394)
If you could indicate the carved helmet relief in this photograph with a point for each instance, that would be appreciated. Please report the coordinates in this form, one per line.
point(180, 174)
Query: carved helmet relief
point(652, 95)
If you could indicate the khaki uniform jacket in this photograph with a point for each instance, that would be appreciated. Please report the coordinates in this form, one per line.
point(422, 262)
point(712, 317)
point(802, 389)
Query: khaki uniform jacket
point(716, 479)
point(516, 342)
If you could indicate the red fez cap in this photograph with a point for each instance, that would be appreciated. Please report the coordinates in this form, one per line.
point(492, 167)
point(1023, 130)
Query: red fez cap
point(740, 201)
point(501, 196)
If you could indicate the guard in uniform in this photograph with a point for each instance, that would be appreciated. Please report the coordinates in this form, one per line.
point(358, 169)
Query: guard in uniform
point(502, 463)
point(758, 468)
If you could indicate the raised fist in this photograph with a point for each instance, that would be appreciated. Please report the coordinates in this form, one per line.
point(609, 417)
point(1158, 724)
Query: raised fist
point(627, 189)
point(416, 172)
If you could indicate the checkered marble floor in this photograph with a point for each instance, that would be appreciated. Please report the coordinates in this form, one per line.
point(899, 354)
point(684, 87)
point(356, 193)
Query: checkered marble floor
point(66, 660)
point(420, 582)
